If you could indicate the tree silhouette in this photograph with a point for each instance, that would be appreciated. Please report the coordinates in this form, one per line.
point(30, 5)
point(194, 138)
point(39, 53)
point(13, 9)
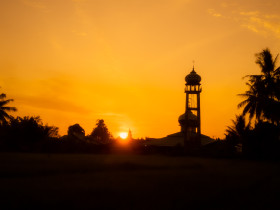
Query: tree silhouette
point(239, 129)
point(262, 100)
point(76, 131)
point(100, 133)
point(238, 133)
point(26, 133)
point(4, 116)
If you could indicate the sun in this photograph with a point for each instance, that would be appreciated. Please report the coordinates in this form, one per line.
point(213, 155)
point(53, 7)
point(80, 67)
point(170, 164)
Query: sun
point(123, 135)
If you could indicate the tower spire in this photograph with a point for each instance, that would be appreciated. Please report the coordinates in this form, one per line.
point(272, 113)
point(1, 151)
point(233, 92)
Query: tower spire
point(129, 136)
point(193, 65)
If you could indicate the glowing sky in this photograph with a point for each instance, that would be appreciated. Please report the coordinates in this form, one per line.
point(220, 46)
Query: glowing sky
point(124, 61)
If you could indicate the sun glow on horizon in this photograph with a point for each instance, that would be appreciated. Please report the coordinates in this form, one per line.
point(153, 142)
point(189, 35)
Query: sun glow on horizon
point(123, 135)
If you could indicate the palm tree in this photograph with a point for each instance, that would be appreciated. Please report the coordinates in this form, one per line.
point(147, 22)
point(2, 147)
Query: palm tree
point(262, 100)
point(237, 134)
point(239, 129)
point(4, 117)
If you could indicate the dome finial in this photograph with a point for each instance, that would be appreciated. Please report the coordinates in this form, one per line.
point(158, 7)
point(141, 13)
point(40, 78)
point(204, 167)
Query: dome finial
point(193, 78)
point(193, 65)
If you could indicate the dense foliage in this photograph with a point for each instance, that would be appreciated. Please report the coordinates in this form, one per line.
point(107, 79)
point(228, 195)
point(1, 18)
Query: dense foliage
point(76, 131)
point(262, 100)
point(25, 133)
point(100, 133)
point(261, 104)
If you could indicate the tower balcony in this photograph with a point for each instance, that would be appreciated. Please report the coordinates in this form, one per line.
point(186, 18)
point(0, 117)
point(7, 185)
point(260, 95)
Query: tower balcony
point(193, 89)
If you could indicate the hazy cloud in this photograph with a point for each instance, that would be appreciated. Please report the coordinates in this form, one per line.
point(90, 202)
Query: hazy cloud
point(110, 114)
point(59, 93)
point(257, 21)
point(79, 0)
point(252, 13)
point(83, 34)
point(214, 13)
point(261, 23)
point(52, 104)
point(35, 3)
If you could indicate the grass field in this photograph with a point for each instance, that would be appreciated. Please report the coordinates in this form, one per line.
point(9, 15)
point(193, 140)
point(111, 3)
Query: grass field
point(81, 181)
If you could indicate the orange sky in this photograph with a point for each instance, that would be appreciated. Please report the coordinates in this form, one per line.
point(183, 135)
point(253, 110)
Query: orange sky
point(76, 61)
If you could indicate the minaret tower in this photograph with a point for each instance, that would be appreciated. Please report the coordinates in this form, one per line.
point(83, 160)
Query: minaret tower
point(192, 124)
point(129, 136)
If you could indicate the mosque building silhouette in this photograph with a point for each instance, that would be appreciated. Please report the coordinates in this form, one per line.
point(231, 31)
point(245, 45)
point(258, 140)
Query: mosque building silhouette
point(190, 122)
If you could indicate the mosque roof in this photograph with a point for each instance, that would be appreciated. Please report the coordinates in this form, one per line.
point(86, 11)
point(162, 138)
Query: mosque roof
point(177, 139)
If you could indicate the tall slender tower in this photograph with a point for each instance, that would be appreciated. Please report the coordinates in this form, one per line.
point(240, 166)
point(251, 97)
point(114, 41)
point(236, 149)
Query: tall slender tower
point(129, 135)
point(192, 114)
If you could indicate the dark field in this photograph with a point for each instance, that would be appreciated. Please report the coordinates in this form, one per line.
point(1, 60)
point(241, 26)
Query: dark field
point(41, 181)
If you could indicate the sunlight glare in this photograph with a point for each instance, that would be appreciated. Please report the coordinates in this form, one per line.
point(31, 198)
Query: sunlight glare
point(123, 135)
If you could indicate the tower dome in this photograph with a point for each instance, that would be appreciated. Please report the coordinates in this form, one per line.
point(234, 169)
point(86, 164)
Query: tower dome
point(193, 78)
point(192, 120)
point(191, 116)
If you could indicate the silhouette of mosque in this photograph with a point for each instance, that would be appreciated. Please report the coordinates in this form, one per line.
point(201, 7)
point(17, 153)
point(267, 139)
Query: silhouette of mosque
point(190, 122)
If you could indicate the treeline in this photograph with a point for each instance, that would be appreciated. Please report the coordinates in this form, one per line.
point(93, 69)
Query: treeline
point(256, 132)
point(29, 134)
